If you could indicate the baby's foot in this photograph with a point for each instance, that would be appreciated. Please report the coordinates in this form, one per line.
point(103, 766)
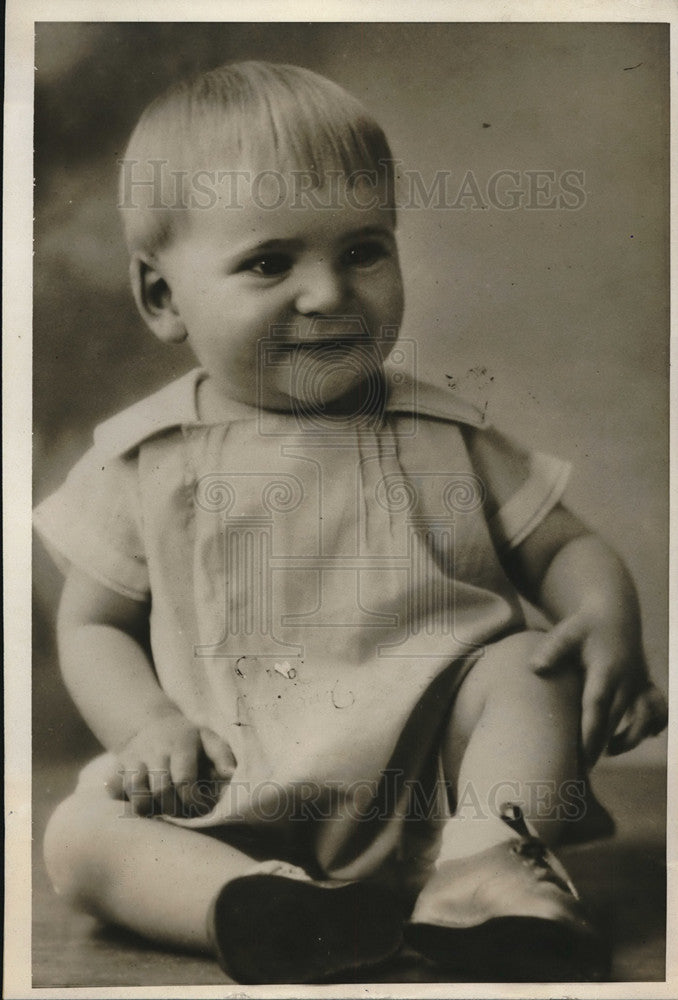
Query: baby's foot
point(508, 913)
point(280, 926)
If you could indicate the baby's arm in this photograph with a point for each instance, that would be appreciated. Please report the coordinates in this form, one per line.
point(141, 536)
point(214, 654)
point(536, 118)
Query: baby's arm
point(101, 637)
point(582, 585)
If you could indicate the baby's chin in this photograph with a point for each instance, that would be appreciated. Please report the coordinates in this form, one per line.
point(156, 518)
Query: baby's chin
point(336, 383)
point(342, 399)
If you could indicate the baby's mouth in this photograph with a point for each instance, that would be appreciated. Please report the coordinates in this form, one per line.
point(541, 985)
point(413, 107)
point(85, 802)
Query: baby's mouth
point(343, 343)
point(322, 349)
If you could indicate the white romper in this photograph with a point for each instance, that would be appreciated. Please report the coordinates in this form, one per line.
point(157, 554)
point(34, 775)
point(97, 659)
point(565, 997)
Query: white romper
point(318, 590)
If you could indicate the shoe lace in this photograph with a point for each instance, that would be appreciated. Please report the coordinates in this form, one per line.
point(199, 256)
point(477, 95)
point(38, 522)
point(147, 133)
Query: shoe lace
point(534, 851)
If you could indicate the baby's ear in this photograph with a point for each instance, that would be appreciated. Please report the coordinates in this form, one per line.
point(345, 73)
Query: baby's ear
point(153, 297)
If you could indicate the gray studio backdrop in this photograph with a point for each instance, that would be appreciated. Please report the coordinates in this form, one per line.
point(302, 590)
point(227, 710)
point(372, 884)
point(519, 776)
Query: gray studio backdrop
point(549, 305)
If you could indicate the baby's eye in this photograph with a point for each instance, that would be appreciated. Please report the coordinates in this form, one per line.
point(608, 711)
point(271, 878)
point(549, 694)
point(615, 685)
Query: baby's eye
point(269, 265)
point(365, 254)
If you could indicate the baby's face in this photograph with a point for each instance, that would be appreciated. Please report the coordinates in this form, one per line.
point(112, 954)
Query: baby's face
point(318, 285)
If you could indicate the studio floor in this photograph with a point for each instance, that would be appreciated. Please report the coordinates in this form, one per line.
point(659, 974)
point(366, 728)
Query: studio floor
point(625, 876)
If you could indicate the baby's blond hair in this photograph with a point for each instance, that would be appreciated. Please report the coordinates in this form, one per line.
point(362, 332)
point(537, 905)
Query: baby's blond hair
point(264, 116)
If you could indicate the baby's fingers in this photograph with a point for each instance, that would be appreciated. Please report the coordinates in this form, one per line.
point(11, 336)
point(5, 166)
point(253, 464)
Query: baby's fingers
point(595, 720)
point(557, 646)
point(219, 752)
point(184, 772)
point(134, 776)
point(114, 785)
point(647, 717)
point(616, 712)
point(159, 779)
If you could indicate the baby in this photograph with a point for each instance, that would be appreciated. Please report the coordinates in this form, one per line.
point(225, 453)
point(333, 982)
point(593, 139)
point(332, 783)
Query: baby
point(291, 612)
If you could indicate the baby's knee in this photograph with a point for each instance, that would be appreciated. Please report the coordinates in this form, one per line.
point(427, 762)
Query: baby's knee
point(513, 652)
point(502, 663)
point(69, 849)
point(63, 848)
point(510, 660)
point(505, 670)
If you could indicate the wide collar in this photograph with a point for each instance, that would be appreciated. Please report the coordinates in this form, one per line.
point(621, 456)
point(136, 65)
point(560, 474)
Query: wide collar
point(175, 405)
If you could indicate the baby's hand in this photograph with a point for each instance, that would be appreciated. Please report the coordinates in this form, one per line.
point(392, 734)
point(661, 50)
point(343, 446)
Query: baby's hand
point(164, 759)
point(617, 686)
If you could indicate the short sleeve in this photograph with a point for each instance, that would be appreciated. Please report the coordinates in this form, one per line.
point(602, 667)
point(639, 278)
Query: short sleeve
point(93, 521)
point(521, 486)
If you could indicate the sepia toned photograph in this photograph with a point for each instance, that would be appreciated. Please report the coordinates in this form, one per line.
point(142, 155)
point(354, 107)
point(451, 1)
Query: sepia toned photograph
point(350, 486)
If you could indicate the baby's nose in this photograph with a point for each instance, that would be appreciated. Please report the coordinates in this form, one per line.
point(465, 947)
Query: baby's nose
point(321, 290)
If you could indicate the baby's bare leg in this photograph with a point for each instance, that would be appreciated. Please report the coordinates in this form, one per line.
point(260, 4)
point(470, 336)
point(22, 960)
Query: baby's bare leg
point(144, 874)
point(183, 888)
point(499, 906)
point(513, 736)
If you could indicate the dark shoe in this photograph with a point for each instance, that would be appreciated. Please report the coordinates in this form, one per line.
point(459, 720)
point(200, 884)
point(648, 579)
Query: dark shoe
point(271, 929)
point(509, 913)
